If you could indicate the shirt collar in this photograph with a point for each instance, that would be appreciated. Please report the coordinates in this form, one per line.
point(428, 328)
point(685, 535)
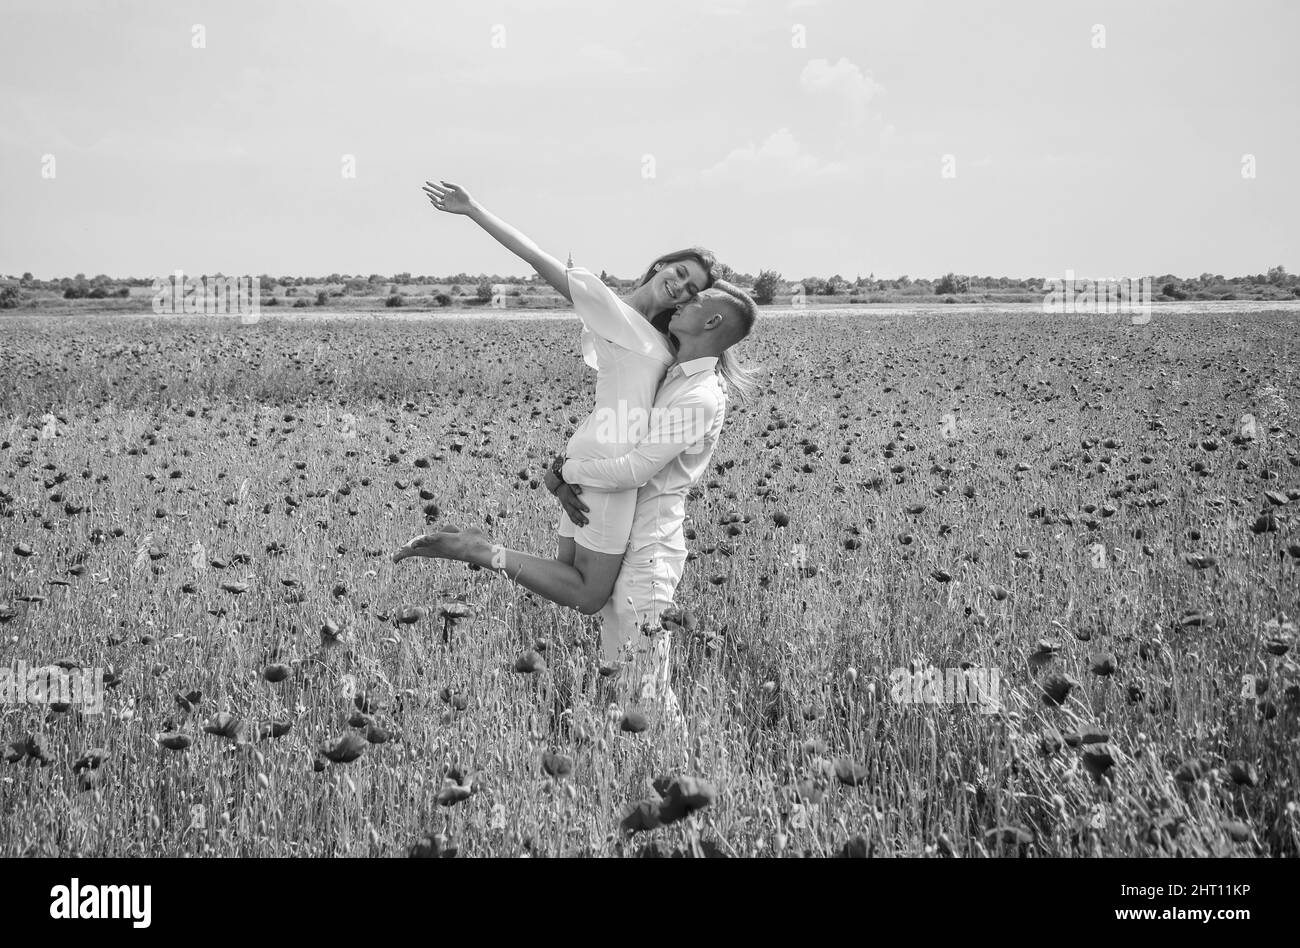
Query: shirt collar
point(696, 366)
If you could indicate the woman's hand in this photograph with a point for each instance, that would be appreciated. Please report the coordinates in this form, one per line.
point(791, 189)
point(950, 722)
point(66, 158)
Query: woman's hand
point(449, 197)
point(567, 494)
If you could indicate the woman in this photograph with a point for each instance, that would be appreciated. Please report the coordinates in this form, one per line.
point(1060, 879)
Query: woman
point(631, 356)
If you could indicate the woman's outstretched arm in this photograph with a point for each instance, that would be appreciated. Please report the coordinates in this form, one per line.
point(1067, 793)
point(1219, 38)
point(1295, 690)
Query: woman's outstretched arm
point(454, 199)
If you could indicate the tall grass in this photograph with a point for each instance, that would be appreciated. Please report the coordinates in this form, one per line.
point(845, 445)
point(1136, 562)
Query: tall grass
point(998, 451)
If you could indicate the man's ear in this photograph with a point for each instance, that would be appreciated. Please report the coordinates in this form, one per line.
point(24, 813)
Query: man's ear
point(714, 321)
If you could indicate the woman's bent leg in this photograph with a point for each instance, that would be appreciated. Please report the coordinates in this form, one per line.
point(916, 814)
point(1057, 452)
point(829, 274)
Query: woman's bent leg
point(585, 585)
point(587, 564)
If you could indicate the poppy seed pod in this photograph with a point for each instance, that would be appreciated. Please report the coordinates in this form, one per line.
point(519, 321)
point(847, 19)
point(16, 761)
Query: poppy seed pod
point(557, 765)
point(1236, 830)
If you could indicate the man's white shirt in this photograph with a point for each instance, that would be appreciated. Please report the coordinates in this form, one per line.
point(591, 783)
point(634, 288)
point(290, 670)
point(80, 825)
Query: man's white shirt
point(682, 431)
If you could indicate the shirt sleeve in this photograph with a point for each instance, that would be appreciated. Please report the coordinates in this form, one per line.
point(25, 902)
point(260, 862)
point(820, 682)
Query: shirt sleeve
point(607, 316)
point(672, 430)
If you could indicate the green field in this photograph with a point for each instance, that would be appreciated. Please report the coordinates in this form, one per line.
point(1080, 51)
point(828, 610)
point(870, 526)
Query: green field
point(1096, 510)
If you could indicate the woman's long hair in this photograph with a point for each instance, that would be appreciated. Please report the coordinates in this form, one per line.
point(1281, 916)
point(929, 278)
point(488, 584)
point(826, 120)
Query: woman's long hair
point(740, 380)
point(700, 255)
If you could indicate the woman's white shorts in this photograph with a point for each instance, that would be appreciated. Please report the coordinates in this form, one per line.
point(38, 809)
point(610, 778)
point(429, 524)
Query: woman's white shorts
point(609, 520)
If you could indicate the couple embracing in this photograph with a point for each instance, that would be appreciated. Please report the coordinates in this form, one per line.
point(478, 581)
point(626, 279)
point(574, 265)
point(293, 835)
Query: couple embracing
point(664, 373)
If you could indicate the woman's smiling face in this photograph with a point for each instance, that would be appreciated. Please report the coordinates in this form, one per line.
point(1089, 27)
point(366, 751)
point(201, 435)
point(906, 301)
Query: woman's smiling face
point(677, 282)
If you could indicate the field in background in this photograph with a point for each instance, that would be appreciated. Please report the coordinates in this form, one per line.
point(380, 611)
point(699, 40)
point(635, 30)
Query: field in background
point(201, 506)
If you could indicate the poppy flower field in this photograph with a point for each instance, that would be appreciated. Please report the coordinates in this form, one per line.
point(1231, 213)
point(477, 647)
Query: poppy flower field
point(1100, 518)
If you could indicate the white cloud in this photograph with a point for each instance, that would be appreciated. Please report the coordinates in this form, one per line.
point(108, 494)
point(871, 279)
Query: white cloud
point(843, 81)
point(782, 156)
point(778, 159)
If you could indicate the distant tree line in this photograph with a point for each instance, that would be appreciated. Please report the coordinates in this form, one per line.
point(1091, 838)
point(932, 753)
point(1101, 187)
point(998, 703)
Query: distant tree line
point(479, 288)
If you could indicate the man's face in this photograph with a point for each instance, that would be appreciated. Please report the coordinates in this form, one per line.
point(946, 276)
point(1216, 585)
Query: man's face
point(693, 316)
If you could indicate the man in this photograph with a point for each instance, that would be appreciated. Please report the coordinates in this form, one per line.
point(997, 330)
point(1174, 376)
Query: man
point(683, 430)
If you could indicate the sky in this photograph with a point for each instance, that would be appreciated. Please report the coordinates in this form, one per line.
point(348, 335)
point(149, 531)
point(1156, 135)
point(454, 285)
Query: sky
point(811, 137)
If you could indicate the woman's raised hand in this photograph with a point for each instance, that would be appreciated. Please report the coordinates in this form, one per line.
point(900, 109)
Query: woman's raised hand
point(452, 198)
point(449, 197)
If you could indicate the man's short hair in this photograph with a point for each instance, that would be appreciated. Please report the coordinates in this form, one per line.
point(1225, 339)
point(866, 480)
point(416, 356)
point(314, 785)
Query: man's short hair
point(742, 305)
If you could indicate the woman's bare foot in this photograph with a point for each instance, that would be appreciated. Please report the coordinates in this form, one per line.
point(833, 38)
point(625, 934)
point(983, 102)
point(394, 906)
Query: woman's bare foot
point(450, 543)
